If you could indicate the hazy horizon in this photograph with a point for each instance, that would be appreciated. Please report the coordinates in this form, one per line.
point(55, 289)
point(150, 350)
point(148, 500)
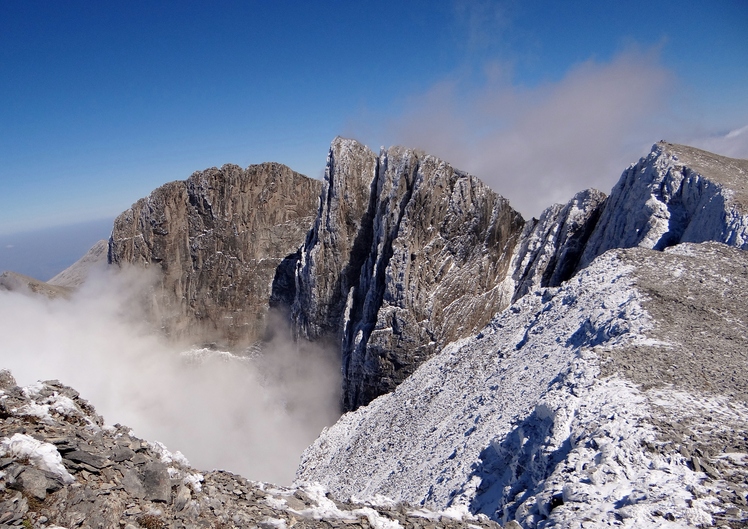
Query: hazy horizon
point(44, 253)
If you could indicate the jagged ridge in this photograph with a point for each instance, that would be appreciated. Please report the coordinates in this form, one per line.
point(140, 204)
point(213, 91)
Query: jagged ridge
point(406, 255)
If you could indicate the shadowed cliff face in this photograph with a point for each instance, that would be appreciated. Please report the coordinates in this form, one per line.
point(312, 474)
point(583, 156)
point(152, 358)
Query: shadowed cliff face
point(217, 238)
point(406, 255)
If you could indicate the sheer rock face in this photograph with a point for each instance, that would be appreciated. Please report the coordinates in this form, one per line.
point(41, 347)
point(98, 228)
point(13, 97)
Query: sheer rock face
point(676, 194)
point(217, 238)
point(406, 255)
point(335, 249)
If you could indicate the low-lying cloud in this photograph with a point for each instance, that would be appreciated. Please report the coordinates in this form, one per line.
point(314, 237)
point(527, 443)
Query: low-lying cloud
point(251, 415)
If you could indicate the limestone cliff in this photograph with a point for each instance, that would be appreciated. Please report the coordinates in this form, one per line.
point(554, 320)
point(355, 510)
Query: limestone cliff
point(550, 248)
point(406, 255)
point(217, 239)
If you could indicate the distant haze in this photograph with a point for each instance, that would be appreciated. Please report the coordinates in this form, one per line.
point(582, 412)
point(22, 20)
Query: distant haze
point(44, 253)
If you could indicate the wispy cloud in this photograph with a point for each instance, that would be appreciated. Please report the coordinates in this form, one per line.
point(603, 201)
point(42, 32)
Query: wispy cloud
point(733, 143)
point(540, 145)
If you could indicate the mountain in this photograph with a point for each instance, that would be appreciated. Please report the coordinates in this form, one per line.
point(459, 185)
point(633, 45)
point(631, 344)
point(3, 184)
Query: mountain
point(77, 273)
point(407, 254)
point(216, 240)
point(13, 282)
point(584, 369)
point(618, 395)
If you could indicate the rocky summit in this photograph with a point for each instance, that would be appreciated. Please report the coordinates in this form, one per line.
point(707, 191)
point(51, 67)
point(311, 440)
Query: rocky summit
point(406, 255)
point(216, 240)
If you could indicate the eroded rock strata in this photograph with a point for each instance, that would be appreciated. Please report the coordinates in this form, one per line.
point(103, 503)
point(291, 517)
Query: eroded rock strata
point(406, 255)
point(217, 239)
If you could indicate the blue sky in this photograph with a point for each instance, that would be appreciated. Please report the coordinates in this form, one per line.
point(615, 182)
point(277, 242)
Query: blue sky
point(101, 102)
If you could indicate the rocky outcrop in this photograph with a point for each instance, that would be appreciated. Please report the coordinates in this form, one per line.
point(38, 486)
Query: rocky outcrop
point(550, 248)
point(597, 400)
point(77, 273)
point(406, 255)
point(217, 239)
point(675, 194)
point(61, 467)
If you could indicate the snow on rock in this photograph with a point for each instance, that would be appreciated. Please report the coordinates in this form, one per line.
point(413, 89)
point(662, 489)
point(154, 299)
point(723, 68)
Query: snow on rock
point(550, 248)
point(518, 423)
point(407, 254)
point(43, 456)
point(675, 194)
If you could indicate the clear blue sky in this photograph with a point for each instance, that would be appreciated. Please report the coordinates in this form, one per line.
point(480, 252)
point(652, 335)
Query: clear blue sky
point(101, 102)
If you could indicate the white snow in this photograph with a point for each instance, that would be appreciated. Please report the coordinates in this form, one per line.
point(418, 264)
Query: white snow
point(43, 456)
point(512, 423)
point(168, 457)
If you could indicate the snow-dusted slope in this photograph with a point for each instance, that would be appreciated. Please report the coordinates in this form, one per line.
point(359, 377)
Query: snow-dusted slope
point(675, 194)
point(536, 419)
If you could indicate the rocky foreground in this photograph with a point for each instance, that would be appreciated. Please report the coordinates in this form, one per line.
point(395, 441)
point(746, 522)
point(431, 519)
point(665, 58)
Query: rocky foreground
point(61, 467)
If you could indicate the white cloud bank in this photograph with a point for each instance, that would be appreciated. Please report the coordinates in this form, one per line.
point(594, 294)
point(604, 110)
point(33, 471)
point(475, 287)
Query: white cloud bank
point(251, 417)
point(537, 146)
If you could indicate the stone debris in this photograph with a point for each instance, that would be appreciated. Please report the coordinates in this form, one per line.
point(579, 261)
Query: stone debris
point(120, 481)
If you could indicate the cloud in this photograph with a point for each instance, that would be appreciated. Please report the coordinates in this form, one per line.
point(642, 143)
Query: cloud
point(733, 143)
point(540, 145)
point(252, 416)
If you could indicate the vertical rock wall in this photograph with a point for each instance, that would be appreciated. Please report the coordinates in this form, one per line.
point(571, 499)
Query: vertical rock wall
point(406, 255)
point(217, 239)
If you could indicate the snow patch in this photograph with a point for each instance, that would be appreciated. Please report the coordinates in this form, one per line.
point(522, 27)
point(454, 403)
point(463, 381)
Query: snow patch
point(43, 456)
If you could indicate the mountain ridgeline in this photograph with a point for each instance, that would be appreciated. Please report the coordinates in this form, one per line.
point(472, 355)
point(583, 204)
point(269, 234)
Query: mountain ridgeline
point(585, 369)
point(394, 256)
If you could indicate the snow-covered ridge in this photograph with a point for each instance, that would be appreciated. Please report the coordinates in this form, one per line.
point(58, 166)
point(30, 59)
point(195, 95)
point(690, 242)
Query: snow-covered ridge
point(675, 194)
point(517, 422)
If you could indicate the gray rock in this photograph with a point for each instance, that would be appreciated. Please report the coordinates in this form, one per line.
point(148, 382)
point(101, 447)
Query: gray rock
point(92, 460)
point(32, 482)
point(122, 454)
point(156, 481)
point(217, 239)
point(182, 499)
point(6, 380)
point(675, 194)
point(406, 255)
point(132, 483)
